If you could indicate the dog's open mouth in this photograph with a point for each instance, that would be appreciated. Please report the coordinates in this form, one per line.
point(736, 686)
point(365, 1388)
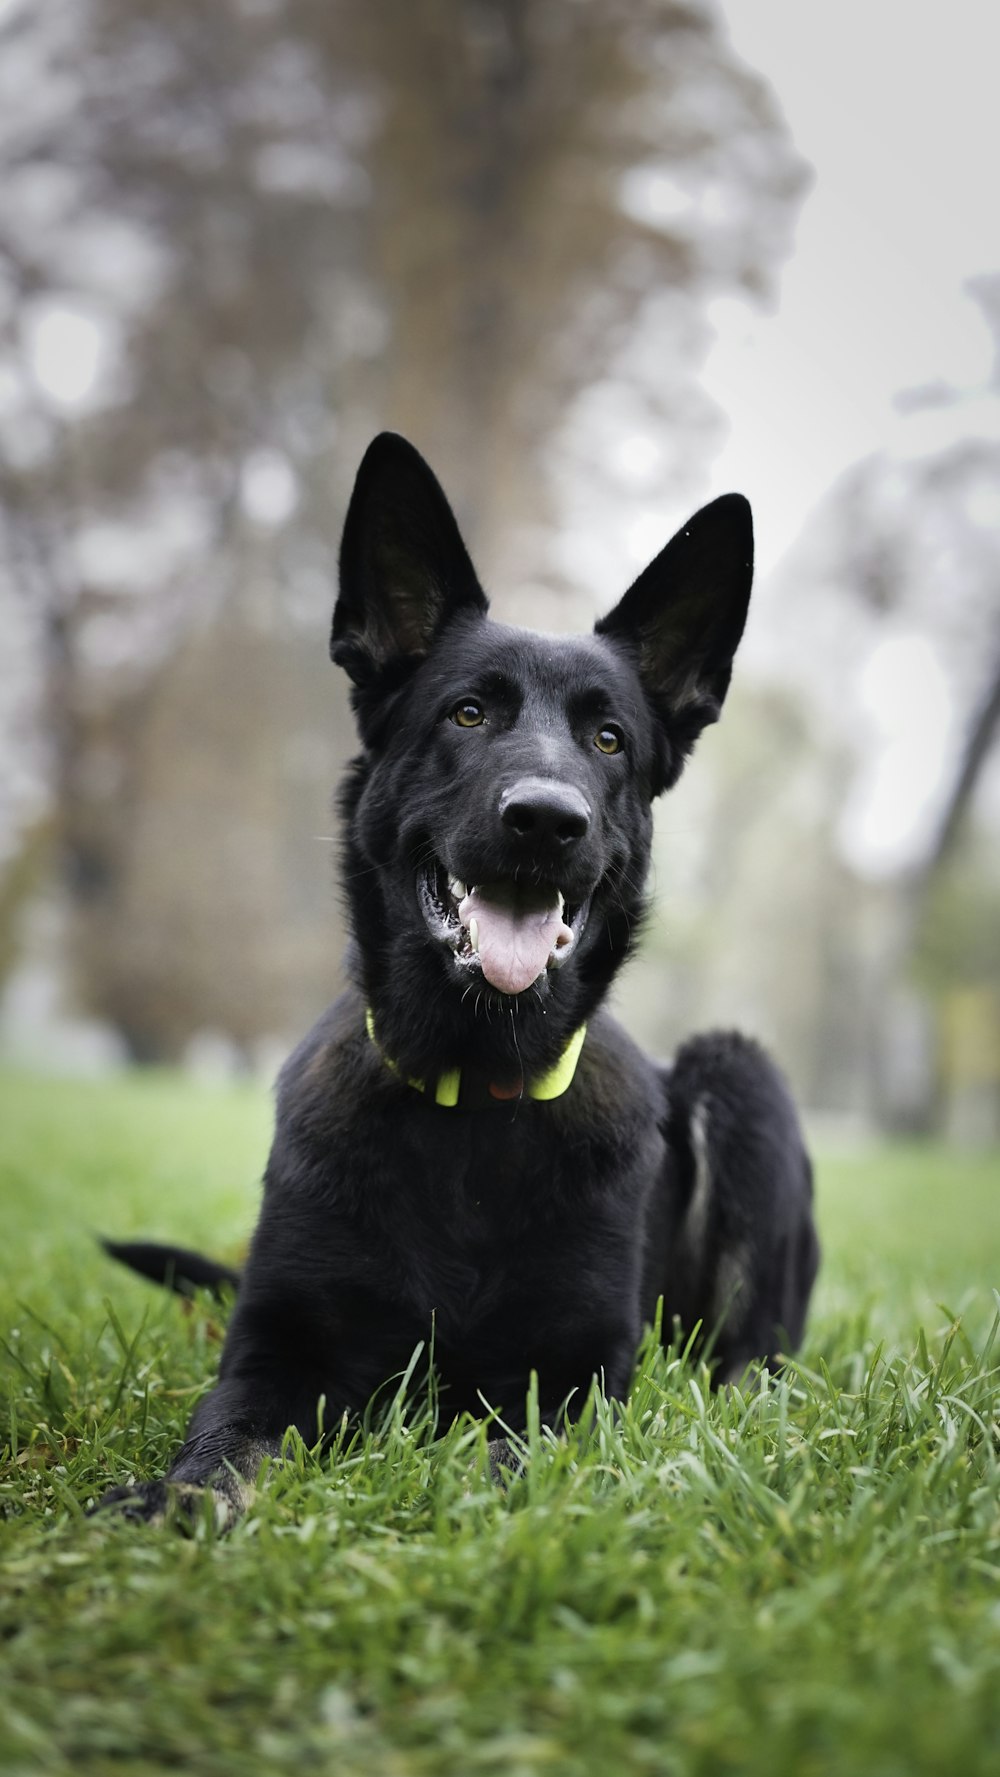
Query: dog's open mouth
point(512, 931)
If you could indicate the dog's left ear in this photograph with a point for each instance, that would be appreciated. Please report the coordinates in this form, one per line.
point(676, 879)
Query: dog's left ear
point(404, 570)
point(683, 619)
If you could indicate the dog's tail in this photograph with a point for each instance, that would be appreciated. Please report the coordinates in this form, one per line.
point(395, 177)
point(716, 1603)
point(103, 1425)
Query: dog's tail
point(174, 1267)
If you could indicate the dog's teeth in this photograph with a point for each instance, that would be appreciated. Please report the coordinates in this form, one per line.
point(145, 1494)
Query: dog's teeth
point(474, 933)
point(561, 903)
point(457, 888)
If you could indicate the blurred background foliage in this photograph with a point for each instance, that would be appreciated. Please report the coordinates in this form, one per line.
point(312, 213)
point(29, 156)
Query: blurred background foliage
point(235, 242)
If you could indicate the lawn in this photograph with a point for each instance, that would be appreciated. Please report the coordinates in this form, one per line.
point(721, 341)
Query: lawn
point(804, 1579)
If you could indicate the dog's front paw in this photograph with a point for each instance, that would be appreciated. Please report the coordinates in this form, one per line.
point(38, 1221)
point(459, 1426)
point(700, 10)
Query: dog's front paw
point(165, 1502)
point(145, 1503)
point(505, 1463)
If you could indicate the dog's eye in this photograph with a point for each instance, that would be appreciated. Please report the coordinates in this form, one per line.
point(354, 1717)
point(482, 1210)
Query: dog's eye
point(608, 740)
point(468, 713)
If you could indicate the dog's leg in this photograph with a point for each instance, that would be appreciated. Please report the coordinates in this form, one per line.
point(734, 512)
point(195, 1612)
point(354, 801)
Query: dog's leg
point(612, 1366)
point(742, 1247)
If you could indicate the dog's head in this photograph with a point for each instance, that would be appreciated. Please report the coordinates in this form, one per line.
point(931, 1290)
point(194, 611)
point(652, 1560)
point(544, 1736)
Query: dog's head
point(499, 817)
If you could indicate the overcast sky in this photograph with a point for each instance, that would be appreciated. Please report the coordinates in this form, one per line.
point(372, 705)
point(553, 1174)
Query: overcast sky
point(895, 104)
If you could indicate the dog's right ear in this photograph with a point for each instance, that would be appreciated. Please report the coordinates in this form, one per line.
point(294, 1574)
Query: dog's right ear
point(404, 570)
point(682, 621)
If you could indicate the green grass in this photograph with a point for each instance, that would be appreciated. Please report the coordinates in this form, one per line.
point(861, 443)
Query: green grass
point(800, 1580)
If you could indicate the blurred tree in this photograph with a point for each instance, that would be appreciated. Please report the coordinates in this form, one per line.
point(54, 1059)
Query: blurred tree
point(888, 610)
point(238, 240)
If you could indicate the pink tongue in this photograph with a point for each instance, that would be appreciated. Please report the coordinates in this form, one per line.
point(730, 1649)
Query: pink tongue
point(518, 931)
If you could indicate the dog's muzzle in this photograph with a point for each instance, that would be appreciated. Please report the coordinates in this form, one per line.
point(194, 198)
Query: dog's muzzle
point(511, 932)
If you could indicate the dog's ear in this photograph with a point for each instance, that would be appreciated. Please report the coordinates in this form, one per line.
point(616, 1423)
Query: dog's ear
point(682, 621)
point(404, 570)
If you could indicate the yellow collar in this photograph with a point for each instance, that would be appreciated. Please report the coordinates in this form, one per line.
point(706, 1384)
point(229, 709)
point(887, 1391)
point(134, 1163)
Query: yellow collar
point(448, 1086)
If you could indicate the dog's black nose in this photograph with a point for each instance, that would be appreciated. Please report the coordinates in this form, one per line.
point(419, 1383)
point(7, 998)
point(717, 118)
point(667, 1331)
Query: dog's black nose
point(545, 813)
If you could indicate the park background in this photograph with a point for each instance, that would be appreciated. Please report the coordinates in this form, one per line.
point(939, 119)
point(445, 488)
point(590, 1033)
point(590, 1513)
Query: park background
point(599, 262)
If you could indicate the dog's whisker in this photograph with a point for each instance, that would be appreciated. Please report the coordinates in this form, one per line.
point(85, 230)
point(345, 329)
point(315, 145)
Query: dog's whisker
point(365, 870)
point(517, 1054)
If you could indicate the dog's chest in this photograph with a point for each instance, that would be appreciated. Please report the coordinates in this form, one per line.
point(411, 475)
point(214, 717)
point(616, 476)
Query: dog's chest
point(470, 1207)
point(492, 1216)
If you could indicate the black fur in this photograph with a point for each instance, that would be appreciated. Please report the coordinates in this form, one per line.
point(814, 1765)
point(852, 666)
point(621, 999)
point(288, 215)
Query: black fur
point(519, 1235)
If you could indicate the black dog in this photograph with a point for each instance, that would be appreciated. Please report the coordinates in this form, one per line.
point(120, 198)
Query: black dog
point(467, 1142)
